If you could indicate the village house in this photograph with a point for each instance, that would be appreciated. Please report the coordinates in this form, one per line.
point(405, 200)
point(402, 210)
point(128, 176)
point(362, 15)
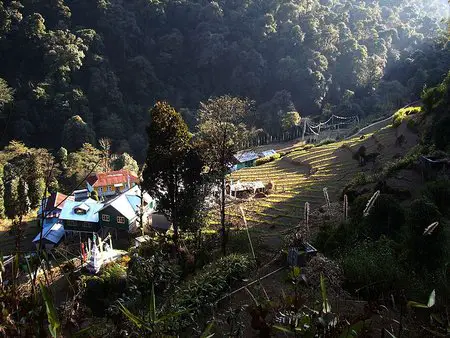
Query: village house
point(160, 223)
point(81, 216)
point(51, 236)
point(245, 189)
point(51, 207)
point(245, 159)
point(111, 183)
point(81, 195)
point(123, 211)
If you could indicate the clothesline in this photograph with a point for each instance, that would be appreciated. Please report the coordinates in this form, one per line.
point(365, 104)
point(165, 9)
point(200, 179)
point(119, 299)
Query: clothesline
point(330, 119)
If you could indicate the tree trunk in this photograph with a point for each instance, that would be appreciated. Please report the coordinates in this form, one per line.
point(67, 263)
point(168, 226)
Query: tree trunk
point(222, 218)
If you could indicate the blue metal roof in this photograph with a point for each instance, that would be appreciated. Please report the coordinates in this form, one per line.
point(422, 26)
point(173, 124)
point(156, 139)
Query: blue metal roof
point(92, 208)
point(135, 201)
point(246, 156)
point(52, 233)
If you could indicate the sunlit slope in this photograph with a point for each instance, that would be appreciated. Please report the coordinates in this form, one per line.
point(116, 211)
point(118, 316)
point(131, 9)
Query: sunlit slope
point(301, 175)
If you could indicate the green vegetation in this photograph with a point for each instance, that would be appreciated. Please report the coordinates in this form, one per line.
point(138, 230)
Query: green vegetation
point(172, 174)
point(436, 104)
point(220, 130)
point(78, 78)
point(101, 290)
point(403, 113)
point(97, 66)
point(198, 295)
point(267, 159)
point(325, 142)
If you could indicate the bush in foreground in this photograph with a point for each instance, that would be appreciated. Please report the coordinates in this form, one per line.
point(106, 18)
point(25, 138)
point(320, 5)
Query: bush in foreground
point(373, 267)
point(102, 290)
point(198, 294)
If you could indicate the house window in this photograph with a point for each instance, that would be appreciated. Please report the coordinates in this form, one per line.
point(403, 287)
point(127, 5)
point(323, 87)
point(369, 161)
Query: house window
point(120, 220)
point(100, 189)
point(109, 188)
point(105, 218)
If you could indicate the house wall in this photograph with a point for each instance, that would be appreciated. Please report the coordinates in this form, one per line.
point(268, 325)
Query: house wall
point(81, 226)
point(110, 190)
point(113, 214)
point(245, 164)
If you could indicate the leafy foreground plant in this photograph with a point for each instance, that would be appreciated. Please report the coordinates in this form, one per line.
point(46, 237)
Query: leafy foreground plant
point(195, 296)
point(308, 322)
point(439, 321)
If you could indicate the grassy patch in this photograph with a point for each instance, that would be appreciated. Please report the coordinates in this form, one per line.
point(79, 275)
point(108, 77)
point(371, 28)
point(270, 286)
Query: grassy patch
point(401, 115)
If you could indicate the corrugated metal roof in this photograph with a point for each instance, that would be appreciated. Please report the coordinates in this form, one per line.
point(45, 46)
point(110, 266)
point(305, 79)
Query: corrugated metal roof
point(122, 205)
point(52, 233)
point(128, 202)
point(112, 178)
point(50, 203)
point(135, 201)
point(246, 156)
point(68, 212)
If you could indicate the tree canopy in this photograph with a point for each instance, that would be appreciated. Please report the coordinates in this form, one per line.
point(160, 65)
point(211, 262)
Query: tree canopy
point(173, 168)
point(108, 61)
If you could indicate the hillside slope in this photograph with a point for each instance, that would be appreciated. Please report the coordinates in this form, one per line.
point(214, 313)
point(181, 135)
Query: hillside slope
point(301, 175)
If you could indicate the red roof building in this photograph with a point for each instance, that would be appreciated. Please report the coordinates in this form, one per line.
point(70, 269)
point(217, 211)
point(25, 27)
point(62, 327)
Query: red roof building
point(53, 205)
point(112, 182)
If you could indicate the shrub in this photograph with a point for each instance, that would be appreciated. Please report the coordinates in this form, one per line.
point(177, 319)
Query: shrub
point(438, 192)
point(267, 159)
point(412, 125)
point(406, 161)
point(102, 290)
point(157, 269)
point(361, 152)
point(386, 218)
point(200, 292)
point(358, 205)
point(401, 115)
point(332, 240)
point(425, 251)
point(325, 142)
point(374, 267)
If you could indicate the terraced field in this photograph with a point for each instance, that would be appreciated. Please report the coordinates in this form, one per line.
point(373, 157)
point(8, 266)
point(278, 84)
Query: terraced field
point(301, 175)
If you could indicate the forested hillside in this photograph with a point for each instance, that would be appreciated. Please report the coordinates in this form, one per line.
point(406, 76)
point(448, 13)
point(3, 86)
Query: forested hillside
point(109, 60)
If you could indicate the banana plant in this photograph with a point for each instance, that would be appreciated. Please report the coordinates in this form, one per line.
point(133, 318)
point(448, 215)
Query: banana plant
point(53, 320)
point(441, 326)
point(152, 323)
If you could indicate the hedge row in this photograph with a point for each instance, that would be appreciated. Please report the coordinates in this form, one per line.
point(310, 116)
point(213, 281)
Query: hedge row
point(267, 159)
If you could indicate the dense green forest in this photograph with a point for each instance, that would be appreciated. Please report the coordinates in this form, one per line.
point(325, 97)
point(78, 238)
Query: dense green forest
point(109, 60)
